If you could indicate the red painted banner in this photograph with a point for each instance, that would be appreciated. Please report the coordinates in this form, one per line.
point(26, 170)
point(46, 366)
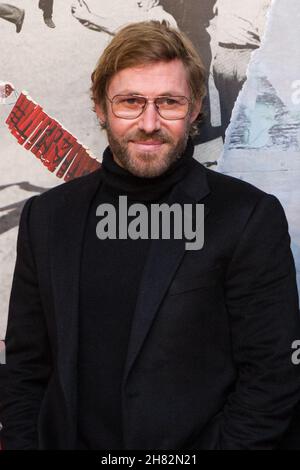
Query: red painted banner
point(54, 146)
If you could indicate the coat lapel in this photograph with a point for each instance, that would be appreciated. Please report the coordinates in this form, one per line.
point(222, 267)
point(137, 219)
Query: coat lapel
point(67, 231)
point(163, 259)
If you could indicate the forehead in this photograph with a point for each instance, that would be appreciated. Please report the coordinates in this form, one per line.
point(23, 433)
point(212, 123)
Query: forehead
point(154, 79)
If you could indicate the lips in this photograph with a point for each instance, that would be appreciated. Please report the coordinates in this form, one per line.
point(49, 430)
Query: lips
point(147, 144)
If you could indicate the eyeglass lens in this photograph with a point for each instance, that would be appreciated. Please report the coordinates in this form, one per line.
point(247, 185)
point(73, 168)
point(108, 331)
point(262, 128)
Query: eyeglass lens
point(169, 107)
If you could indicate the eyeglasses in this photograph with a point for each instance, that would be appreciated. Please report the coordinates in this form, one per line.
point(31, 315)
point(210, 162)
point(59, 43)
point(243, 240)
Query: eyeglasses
point(133, 106)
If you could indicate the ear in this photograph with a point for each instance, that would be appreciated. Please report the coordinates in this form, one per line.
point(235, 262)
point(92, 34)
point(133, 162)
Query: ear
point(100, 113)
point(197, 106)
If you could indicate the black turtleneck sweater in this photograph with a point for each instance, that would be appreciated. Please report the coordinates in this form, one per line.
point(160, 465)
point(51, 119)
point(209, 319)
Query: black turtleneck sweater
point(110, 275)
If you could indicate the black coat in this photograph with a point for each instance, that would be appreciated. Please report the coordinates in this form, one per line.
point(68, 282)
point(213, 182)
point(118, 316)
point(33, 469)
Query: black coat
point(209, 358)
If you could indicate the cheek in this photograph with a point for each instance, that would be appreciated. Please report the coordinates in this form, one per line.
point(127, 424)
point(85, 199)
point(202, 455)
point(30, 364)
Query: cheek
point(120, 127)
point(116, 129)
point(177, 129)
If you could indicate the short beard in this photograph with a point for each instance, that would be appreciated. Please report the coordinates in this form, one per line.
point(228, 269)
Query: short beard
point(119, 148)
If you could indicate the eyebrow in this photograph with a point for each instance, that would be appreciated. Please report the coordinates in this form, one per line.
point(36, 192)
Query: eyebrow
point(134, 93)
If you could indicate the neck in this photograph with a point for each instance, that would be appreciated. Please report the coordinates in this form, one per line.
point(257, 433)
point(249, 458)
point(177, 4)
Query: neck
point(121, 182)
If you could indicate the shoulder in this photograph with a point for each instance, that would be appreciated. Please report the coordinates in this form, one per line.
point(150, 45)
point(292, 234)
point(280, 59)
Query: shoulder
point(223, 187)
point(39, 209)
point(230, 187)
point(237, 201)
point(158, 13)
point(62, 201)
point(73, 190)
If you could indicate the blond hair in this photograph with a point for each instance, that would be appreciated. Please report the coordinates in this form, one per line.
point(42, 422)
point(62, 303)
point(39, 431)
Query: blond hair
point(148, 42)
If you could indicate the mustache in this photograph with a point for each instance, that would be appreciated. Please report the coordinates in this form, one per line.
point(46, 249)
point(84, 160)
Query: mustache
point(144, 137)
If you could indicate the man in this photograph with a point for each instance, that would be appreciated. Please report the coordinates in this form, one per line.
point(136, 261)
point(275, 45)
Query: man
point(139, 343)
point(110, 17)
point(47, 7)
point(12, 14)
point(239, 30)
point(193, 17)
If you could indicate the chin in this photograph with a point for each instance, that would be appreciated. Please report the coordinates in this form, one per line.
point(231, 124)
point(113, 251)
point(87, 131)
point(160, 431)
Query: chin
point(148, 169)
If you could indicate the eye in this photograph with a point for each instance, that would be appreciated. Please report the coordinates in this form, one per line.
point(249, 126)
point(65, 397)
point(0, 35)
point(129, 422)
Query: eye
point(171, 101)
point(167, 101)
point(131, 101)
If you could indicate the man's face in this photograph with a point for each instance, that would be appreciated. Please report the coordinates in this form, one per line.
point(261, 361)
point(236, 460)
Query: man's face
point(146, 146)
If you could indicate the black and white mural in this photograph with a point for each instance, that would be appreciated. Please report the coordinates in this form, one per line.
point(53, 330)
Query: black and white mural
point(251, 130)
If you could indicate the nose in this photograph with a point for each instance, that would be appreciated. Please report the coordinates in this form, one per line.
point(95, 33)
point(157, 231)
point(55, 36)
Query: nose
point(149, 121)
